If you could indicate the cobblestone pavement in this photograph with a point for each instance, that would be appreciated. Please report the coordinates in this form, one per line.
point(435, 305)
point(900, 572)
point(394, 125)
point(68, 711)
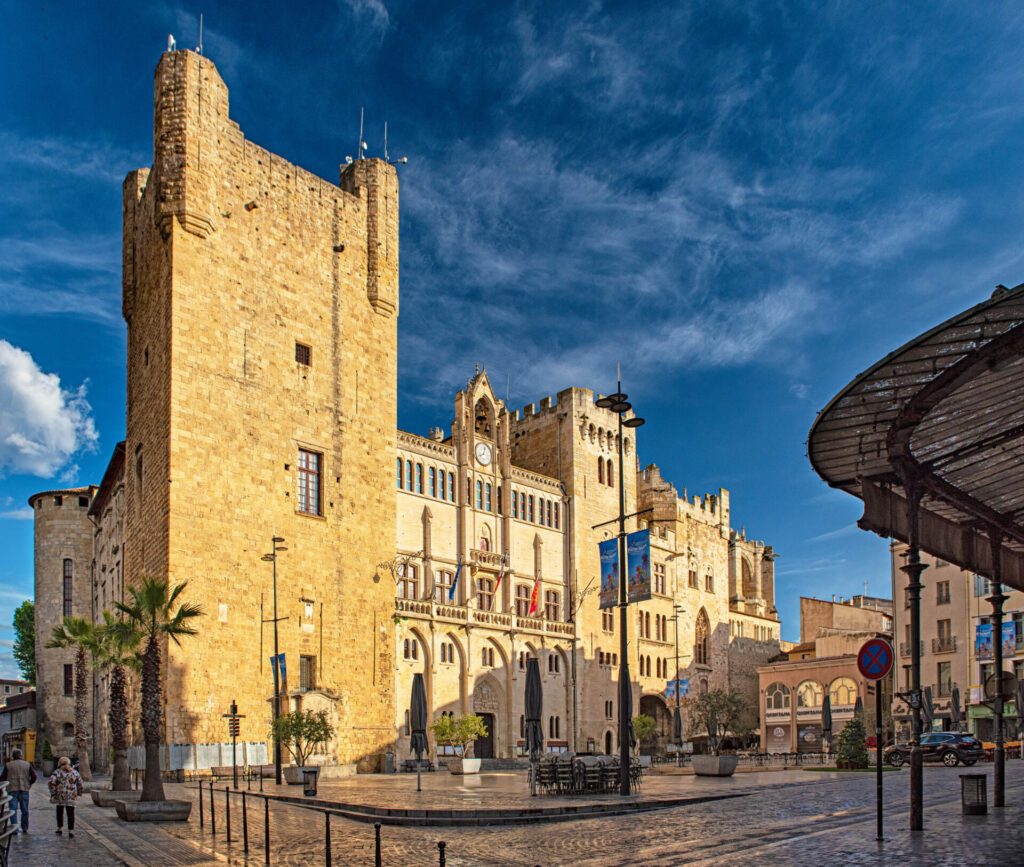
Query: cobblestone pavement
point(812, 819)
point(806, 819)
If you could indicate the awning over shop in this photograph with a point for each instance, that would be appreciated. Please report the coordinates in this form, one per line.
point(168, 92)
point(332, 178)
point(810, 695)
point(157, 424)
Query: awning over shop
point(943, 414)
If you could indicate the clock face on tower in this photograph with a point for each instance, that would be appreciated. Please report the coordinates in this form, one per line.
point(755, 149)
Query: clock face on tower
point(483, 453)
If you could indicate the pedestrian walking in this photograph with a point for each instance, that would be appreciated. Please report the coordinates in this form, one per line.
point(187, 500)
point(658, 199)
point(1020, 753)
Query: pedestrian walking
point(65, 787)
point(20, 776)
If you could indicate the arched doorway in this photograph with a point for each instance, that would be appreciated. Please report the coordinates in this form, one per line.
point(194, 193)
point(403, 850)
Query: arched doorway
point(653, 706)
point(607, 743)
point(485, 705)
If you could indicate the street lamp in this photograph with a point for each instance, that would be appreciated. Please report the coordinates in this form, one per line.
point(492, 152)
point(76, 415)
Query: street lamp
point(677, 610)
point(618, 404)
point(272, 558)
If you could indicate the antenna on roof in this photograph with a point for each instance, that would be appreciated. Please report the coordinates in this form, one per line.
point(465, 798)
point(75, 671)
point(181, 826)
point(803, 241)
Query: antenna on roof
point(361, 147)
point(387, 159)
point(199, 48)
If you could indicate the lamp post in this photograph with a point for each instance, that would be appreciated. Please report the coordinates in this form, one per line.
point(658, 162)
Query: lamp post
point(272, 558)
point(617, 403)
point(676, 611)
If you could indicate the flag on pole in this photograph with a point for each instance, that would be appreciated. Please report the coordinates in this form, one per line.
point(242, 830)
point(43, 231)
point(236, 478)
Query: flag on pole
point(501, 574)
point(455, 581)
point(535, 597)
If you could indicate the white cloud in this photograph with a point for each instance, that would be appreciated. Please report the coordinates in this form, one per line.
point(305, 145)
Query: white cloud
point(22, 514)
point(375, 11)
point(93, 160)
point(41, 424)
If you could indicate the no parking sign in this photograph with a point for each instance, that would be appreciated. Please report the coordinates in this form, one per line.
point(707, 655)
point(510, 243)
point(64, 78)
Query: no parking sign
point(874, 661)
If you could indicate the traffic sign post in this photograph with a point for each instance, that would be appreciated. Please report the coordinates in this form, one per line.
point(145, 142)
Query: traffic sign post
point(233, 728)
point(874, 662)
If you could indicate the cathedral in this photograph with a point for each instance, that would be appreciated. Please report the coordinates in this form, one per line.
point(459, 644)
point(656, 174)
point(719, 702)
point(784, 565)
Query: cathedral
point(261, 305)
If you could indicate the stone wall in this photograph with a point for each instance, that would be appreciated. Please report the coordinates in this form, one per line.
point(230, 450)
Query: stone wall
point(232, 257)
point(63, 532)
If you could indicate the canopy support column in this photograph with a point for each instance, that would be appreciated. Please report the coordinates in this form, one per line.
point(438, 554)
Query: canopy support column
point(913, 570)
point(997, 599)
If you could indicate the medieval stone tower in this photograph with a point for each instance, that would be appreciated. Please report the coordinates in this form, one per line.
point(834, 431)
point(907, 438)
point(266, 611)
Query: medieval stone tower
point(63, 582)
point(261, 304)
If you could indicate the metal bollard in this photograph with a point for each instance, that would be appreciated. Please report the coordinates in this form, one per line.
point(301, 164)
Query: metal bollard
point(327, 838)
point(213, 812)
point(266, 830)
point(376, 851)
point(440, 856)
point(245, 827)
point(200, 805)
point(227, 805)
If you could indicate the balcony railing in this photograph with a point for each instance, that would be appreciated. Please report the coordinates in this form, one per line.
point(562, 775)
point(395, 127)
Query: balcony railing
point(906, 647)
point(431, 610)
point(944, 645)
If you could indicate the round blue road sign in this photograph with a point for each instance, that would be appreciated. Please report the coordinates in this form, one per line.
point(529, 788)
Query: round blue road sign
point(875, 658)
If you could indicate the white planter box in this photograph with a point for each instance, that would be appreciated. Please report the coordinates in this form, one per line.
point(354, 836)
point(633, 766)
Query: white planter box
point(714, 766)
point(463, 766)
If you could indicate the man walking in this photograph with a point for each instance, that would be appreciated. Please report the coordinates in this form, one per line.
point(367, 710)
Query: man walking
point(20, 776)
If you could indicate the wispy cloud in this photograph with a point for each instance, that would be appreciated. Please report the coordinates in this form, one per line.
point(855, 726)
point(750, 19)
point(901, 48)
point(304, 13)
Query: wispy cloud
point(93, 160)
point(22, 514)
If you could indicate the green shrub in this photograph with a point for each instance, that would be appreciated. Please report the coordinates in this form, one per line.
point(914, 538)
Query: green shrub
point(853, 752)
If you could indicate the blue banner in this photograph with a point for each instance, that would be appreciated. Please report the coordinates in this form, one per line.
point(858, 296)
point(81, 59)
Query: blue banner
point(983, 641)
point(638, 565)
point(609, 549)
point(683, 684)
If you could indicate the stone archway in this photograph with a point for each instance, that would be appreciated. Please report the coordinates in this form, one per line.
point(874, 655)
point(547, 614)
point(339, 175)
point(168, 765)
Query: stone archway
point(486, 703)
point(654, 706)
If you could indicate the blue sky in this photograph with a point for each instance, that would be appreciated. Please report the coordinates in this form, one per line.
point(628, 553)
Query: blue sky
point(746, 204)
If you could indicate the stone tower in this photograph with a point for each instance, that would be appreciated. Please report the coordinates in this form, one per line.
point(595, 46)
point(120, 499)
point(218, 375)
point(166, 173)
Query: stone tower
point(63, 581)
point(261, 304)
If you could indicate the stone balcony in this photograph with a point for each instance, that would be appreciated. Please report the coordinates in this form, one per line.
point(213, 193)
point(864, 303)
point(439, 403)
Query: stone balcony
point(427, 609)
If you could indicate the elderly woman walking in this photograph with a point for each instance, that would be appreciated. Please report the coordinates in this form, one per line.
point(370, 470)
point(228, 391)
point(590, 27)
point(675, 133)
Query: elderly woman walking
point(65, 787)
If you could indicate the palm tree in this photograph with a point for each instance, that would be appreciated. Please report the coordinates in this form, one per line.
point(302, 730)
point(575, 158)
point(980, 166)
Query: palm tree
point(79, 633)
point(118, 652)
point(155, 613)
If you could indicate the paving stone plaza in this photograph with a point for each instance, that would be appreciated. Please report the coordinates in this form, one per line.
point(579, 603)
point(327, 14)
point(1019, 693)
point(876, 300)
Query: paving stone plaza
point(794, 817)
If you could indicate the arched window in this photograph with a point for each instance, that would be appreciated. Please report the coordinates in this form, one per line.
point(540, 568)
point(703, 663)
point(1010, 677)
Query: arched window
point(522, 506)
point(69, 579)
point(600, 470)
point(702, 633)
point(610, 473)
point(657, 666)
point(657, 627)
point(451, 486)
point(487, 497)
point(522, 726)
point(809, 694)
point(647, 624)
point(444, 487)
point(419, 478)
point(703, 685)
point(843, 692)
point(549, 513)
point(398, 462)
point(479, 494)
point(408, 475)
point(530, 501)
point(432, 481)
point(500, 502)
point(556, 515)
point(777, 697)
point(515, 505)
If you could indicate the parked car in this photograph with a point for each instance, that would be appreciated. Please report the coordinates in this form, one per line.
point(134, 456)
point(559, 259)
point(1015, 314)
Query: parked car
point(950, 748)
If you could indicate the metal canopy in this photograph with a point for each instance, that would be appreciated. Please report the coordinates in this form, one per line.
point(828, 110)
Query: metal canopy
point(944, 412)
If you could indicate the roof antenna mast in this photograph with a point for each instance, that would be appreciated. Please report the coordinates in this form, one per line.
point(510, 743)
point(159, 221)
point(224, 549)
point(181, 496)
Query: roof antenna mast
point(199, 48)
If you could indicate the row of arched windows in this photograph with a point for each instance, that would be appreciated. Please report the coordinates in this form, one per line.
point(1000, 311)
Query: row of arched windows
point(660, 668)
point(536, 510)
point(440, 483)
point(607, 439)
point(810, 694)
point(606, 472)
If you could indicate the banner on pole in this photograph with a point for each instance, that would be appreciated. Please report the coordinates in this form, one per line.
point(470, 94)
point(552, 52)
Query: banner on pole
point(638, 565)
point(609, 549)
point(983, 648)
point(683, 684)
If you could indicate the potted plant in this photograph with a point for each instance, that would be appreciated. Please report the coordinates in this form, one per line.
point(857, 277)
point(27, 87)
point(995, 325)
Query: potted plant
point(302, 733)
point(460, 733)
point(46, 758)
point(716, 712)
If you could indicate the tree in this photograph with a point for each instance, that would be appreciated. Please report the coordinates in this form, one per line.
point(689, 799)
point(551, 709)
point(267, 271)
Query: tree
point(643, 727)
point(80, 634)
point(117, 652)
point(853, 752)
point(459, 732)
point(25, 639)
point(155, 613)
point(303, 733)
point(717, 712)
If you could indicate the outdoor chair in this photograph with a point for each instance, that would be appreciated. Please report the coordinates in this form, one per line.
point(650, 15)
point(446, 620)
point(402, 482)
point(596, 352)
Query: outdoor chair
point(563, 776)
point(592, 776)
point(546, 776)
point(636, 774)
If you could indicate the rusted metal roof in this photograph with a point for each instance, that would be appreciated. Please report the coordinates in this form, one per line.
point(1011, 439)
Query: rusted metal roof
point(946, 409)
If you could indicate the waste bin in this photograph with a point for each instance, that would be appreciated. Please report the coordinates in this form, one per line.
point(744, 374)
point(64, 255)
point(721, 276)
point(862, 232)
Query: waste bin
point(973, 794)
point(310, 777)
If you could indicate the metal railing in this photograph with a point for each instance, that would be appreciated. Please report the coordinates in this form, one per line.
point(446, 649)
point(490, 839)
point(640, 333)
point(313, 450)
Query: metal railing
point(907, 646)
point(208, 819)
point(944, 645)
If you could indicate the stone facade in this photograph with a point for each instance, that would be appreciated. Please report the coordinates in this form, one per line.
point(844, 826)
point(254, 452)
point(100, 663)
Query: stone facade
point(859, 613)
point(261, 303)
point(63, 578)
